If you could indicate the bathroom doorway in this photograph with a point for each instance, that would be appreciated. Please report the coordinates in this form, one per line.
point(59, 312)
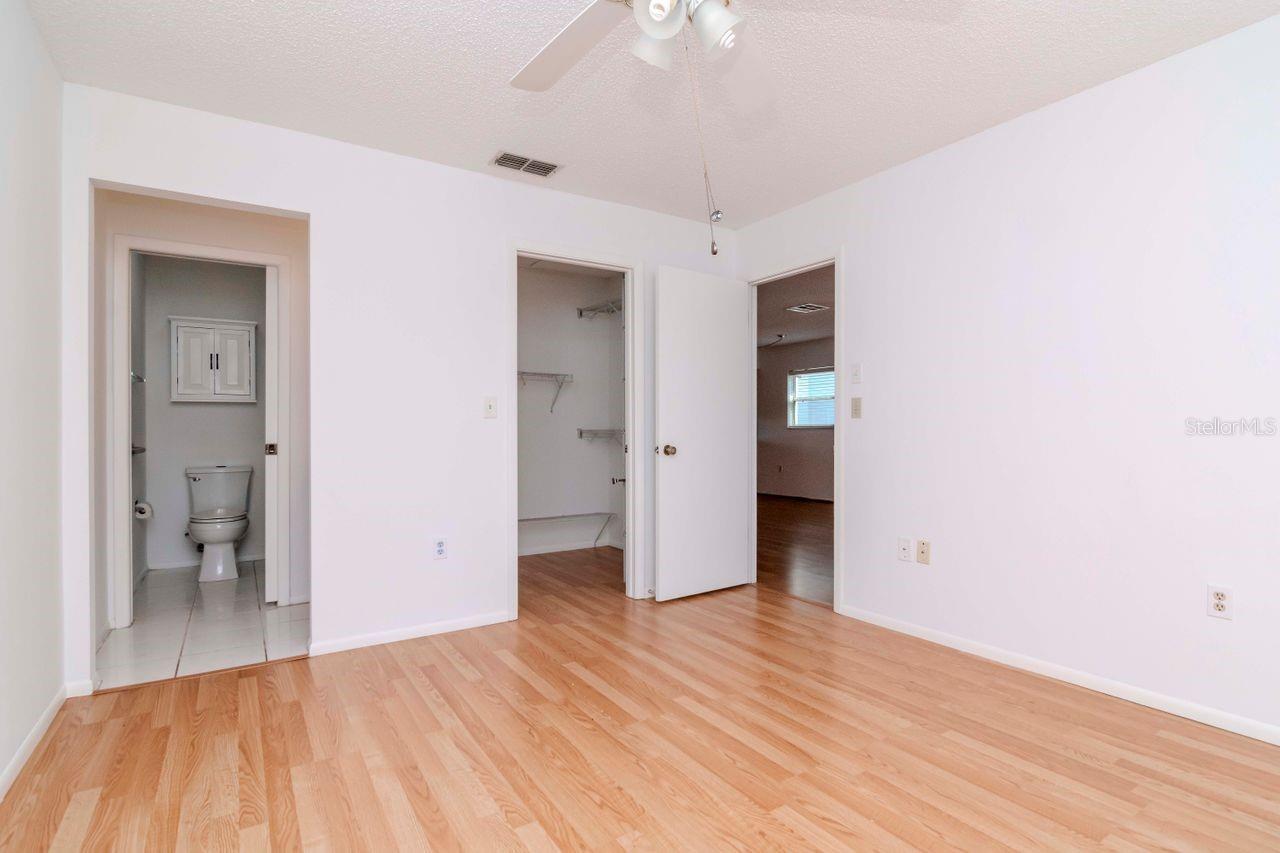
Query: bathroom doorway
point(199, 575)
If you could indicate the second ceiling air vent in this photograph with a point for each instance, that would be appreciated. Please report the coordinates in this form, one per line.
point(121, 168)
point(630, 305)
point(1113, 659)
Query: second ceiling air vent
point(507, 160)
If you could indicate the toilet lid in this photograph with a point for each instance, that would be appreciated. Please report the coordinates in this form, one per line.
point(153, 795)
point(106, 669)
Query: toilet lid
point(218, 515)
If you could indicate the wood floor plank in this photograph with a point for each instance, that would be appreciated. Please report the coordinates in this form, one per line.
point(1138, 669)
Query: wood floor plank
point(745, 719)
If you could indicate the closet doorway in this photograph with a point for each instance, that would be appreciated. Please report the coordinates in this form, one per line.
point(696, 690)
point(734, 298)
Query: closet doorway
point(572, 435)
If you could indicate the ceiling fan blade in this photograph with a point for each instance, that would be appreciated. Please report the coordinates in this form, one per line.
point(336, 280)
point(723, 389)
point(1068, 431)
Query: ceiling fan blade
point(574, 42)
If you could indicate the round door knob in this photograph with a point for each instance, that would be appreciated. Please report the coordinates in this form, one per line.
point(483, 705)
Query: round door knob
point(668, 450)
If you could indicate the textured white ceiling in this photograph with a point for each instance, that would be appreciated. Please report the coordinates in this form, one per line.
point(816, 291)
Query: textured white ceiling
point(843, 88)
point(772, 300)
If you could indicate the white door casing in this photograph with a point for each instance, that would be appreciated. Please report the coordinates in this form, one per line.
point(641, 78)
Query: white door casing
point(118, 438)
point(704, 406)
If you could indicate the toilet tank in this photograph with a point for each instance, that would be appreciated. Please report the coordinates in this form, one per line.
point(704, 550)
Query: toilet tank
point(219, 487)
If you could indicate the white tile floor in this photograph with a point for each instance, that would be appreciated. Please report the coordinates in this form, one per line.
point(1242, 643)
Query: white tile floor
point(182, 627)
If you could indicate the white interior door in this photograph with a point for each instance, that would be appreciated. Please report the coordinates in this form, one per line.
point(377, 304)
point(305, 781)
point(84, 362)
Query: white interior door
point(704, 398)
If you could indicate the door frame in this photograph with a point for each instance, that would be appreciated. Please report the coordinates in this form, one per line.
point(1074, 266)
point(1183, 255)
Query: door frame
point(276, 371)
point(839, 435)
point(635, 356)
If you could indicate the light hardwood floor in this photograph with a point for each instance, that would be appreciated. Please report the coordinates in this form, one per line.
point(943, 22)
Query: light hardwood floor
point(744, 718)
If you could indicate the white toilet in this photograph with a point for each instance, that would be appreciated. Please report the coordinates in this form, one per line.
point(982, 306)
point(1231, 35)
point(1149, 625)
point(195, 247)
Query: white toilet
point(219, 516)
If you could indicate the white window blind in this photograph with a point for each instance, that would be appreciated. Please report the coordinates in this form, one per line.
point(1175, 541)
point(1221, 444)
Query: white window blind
point(811, 398)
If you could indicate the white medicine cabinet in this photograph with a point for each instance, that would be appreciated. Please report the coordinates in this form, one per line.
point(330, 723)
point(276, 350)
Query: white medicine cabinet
point(213, 361)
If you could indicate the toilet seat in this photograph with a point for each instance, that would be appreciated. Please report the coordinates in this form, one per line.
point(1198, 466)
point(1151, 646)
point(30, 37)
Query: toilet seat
point(216, 516)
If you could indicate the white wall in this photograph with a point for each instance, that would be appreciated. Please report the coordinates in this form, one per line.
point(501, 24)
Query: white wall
point(1037, 310)
point(180, 435)
point(412, 324)
point(31, 678)
point(127, 213)
point(561, 474)
point(797, 463)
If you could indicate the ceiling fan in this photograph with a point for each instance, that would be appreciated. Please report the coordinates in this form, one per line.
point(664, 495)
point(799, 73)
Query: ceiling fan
point(660, 21)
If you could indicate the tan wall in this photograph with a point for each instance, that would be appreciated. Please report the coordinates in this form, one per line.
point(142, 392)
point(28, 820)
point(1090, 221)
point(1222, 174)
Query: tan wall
point(795, 462)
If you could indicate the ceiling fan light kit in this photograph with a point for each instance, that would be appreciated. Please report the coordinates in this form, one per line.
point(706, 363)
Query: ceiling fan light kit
point(660, 21)
point(656, 52)
point(717, 27)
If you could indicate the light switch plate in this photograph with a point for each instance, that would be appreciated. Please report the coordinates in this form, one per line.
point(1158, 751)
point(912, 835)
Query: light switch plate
point(906, 551)
point(490, 407)
point(855, 407)
point(855, 374)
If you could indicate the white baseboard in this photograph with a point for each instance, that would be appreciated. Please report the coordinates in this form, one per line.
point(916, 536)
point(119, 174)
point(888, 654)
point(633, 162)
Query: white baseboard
point(359, 641)
point(29, 744)
point(1256, 729)
point(79, 688)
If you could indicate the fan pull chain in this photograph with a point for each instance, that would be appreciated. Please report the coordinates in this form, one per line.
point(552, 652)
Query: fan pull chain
point(714, 214)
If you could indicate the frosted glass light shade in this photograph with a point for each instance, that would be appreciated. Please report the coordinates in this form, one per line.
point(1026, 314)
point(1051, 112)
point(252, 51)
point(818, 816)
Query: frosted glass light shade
point(659, 29)
point(717, 28)
point(656, 52)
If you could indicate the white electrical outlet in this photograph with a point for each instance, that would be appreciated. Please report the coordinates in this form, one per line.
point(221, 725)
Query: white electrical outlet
point(855, 407)
point(906, 550)
point(923, 552)
point(490, 407)
point(441, 549)
point(1220, 603)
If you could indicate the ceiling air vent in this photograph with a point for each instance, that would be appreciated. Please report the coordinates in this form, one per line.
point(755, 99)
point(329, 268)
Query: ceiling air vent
point(809, 308)
point(507, 160)
point(537, 167)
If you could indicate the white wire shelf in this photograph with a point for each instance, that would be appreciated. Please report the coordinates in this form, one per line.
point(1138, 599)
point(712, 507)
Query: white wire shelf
point(561, 379)
point(619, 435)
point(613, 306)
point(608, 517)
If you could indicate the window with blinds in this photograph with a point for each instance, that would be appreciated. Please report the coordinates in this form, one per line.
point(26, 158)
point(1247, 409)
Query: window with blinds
point(811, 398)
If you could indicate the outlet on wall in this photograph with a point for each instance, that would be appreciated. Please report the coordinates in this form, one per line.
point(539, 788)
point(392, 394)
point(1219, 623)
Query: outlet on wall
point(1220, 603)
point(905, 550)
point(440, 549)
point(923, 552)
